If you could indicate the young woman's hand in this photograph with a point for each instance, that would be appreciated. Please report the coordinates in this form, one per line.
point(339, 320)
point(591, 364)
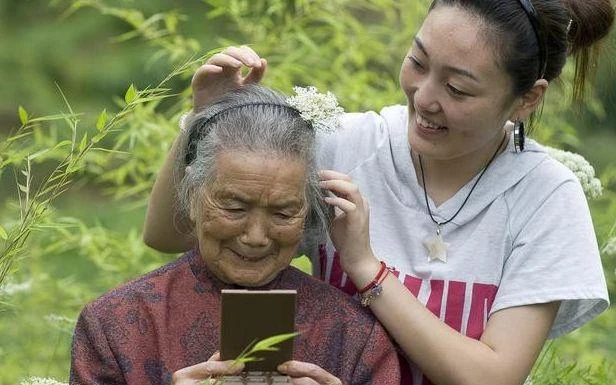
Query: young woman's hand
point(350, 228)
point(223, 72)
point(211, 369)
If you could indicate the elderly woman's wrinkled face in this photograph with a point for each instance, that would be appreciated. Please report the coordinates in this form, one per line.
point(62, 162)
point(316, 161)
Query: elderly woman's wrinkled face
point(250, 221)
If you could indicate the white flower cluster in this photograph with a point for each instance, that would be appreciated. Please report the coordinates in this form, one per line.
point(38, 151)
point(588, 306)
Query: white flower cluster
point(40, 381)
point(581, 168)
point(610, 247)
point(320, 109)
point(10, 288)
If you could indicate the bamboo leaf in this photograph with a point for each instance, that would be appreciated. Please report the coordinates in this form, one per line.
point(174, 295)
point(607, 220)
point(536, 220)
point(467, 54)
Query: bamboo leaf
point(3, 233)
point(267, 344)
point(16, 137)
point(102, 119)
point(62, 144)
point(249, 359)
point(130, 95)
point(96, 138)
point(37, 154)
point(83, 143)
point(23, 115)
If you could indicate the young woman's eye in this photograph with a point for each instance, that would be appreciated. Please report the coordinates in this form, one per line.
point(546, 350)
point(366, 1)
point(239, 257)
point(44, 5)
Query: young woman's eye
point(415, 63)
point(456, 92)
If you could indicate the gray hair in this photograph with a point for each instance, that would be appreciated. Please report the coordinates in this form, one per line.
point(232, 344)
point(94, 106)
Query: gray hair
point(256, 119)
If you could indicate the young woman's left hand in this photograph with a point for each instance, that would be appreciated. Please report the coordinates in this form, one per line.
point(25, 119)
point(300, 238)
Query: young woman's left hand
point(350, 228)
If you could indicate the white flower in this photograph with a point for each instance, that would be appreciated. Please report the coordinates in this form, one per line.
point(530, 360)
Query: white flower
point(582, 170)
point(40, 381)
point(610, 247)
point(60, 322)
point(320, 109)
point(10, 288)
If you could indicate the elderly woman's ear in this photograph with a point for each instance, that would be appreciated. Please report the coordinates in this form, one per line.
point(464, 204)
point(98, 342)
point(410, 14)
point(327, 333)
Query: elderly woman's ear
point(193, 211)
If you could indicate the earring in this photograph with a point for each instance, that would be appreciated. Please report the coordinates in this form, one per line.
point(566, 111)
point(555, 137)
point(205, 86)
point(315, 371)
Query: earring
point(518, 136)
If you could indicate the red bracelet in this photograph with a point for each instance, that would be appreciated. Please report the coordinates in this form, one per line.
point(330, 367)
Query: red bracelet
point(377, 280)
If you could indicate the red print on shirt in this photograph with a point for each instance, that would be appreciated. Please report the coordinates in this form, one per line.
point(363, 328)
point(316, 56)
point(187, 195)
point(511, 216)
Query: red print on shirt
point(452, 294)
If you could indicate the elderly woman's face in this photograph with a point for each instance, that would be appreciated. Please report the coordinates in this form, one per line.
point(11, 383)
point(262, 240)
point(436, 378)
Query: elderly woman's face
point(250, 221)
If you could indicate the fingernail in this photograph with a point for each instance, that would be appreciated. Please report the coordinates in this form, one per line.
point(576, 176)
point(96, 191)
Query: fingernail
point(283, 367)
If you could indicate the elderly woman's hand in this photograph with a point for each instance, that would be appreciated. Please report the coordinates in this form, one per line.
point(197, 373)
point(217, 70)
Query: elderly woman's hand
point(212, 368)
point(223, 72)
point(305, 373)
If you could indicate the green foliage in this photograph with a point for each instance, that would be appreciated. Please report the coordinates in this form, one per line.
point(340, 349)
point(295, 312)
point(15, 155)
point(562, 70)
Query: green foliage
point(551, 369)
point(75, 183)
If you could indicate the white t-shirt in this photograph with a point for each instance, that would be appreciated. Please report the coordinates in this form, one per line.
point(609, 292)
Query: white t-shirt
point(525, 236)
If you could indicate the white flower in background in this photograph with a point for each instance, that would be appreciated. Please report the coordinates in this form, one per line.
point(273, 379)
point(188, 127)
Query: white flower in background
point(60, 322)
point(10, 288)
point(581, 168)
point(40, 381)
point(320, 109)
point(610, 247)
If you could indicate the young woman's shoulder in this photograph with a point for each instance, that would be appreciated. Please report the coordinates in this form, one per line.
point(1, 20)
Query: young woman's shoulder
point(550, 171)
point(360, 136)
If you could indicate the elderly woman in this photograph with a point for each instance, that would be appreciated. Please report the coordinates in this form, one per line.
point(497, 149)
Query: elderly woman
point(250, 188)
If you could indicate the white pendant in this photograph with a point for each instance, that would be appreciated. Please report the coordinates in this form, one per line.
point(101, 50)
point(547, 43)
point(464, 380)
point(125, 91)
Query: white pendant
point(437, 248)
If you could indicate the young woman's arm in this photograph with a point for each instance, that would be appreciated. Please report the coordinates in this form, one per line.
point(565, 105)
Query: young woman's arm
point(504, 355)
point(509, 346)
point(164, 229)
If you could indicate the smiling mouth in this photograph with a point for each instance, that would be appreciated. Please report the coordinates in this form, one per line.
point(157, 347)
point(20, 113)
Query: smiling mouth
point(427, 124)
point(251, 259)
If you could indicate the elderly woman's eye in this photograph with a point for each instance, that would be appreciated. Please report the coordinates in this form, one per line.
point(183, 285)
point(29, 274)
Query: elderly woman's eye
point(283, 215)
point(235, 210)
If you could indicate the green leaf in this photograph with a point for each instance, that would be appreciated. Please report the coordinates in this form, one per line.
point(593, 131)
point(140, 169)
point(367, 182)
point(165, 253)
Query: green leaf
point(269, 342)
point(130, 95)
point(96, 138)
point(62, 144)
point(3, 233)
point(37, 154)
point(23, 115)
point(102, 119)
point(83, 143)
point(250, 359)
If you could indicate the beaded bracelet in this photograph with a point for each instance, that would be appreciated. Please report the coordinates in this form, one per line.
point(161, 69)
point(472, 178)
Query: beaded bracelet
point(373, 289)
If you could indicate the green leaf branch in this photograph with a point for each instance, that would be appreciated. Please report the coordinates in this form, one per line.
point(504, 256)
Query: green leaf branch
point(250, 353)
point(34, 202)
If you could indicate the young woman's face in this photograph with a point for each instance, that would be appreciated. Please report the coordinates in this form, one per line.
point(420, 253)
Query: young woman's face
point(250, 221)
point(459, 98)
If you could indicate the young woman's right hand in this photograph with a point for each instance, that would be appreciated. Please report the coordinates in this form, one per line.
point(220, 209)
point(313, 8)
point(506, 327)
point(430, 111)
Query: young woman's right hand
point(223, 72)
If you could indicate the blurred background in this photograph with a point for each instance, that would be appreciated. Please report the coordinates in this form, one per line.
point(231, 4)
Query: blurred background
point(90, 99)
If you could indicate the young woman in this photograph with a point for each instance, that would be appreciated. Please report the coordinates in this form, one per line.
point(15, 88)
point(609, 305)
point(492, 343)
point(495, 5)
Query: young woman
point(489, 243)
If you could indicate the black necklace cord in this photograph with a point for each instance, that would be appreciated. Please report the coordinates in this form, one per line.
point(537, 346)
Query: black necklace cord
point(423, 181)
